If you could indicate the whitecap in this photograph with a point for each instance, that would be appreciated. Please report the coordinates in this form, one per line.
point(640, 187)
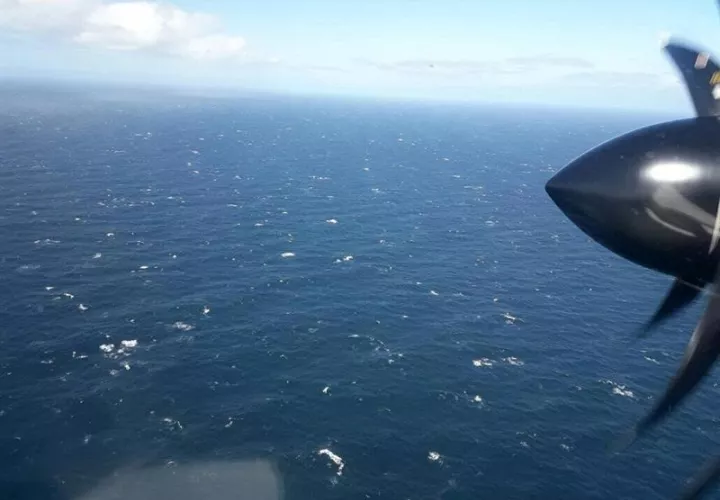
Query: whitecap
point(332, 221)
point(336, 459)
point(619, 389)
point(184, 327)
point(107, 347)
point(434, 456)
point(483, 362)
point(83, 307)
point(173, 423)
point(47, 241)
point(28, 267)
point(129, 344)
point(97, 255)
point(433, 292)
point(510, 319)
point(286, 255)
point(513, 361)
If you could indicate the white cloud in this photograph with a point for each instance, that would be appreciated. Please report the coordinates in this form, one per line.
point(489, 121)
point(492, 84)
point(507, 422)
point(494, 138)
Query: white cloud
point(213, 47)
point(628, 78)
point(61, 16)
point(539, 71)
point(131, 25)
point(510, 65)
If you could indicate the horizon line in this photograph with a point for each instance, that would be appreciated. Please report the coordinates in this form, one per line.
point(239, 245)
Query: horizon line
point(207, 91)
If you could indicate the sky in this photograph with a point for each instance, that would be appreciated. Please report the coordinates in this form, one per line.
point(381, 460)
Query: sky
point(603, 53)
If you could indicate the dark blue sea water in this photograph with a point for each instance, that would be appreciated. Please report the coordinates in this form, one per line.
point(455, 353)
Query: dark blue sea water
point(385, 281)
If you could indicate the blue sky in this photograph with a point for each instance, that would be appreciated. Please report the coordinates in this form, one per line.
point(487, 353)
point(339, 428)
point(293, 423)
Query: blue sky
point(605, 53)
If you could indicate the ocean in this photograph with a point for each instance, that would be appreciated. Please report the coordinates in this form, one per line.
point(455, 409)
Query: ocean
point(358, 298)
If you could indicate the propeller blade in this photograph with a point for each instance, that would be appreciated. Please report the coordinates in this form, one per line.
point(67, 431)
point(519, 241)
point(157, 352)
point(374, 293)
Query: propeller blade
point(681, 295)
point(701, 353)
point(701, 75)
point(703, 480)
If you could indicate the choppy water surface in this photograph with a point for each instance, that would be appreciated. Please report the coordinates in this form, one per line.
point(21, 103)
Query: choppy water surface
point(377, 298)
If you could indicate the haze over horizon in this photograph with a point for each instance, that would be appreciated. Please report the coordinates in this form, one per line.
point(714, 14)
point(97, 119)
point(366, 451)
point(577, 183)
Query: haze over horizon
point(560, 53)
